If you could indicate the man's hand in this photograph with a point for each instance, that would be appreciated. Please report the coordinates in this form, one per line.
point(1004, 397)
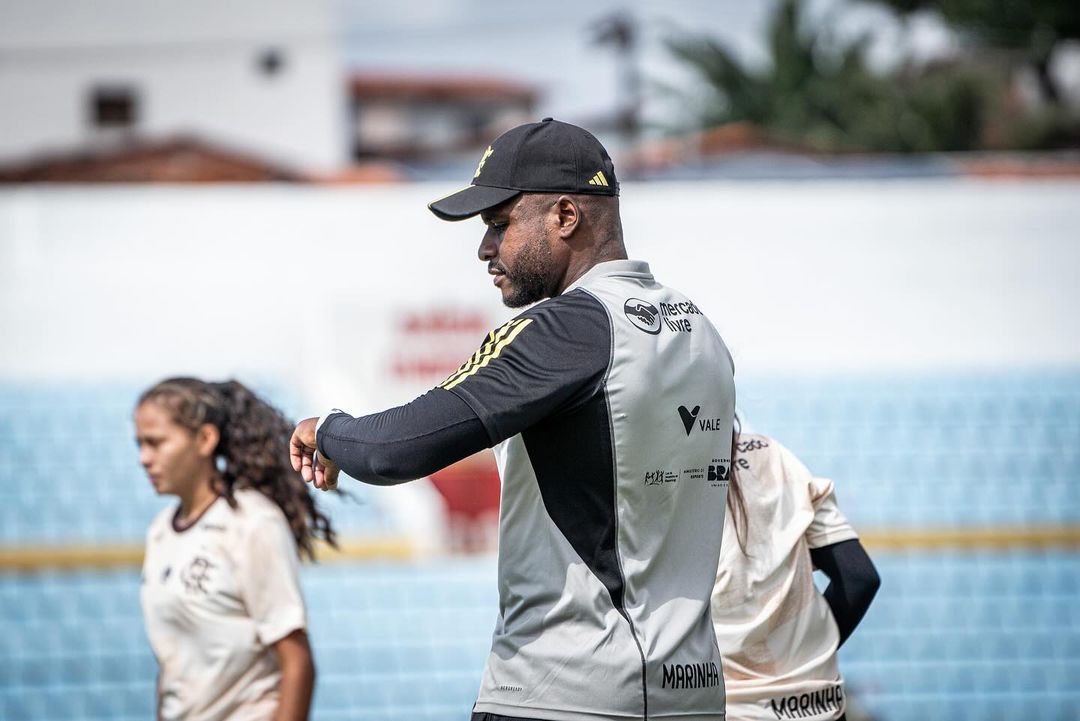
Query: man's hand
point(305, 457)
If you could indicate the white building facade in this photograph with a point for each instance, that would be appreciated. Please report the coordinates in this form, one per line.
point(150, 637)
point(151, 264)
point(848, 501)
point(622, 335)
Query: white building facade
point(262, 77)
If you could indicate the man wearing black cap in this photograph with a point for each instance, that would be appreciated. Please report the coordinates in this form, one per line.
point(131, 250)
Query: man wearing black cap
point(610, 406)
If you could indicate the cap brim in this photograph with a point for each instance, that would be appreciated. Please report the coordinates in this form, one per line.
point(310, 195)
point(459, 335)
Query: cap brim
point(471, 201)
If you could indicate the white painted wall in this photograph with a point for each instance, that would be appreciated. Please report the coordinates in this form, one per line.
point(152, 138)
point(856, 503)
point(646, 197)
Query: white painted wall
point(195, 65)
point(305, 286)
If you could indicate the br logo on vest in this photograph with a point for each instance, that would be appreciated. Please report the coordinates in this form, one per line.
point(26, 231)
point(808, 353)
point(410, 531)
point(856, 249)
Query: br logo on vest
point(644, 315)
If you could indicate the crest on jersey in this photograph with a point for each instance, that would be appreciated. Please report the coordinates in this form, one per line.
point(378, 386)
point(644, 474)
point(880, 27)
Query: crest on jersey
point(196, 574)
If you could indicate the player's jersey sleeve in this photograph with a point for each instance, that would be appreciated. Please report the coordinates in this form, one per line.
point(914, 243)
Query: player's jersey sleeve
point(829, 525)
point(268, 576)
point(548, 360)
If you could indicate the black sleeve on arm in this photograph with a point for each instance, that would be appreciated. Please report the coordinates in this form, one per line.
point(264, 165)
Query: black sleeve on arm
point(551, 359)
point(403, 443)
point(853, 582)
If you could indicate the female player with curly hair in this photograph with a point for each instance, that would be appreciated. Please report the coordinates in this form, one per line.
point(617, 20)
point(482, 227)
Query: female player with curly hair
point(220, 588)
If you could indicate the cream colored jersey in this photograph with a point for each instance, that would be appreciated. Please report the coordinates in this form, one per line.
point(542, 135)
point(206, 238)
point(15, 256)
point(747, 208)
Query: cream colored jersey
point(215, 597)
point(776, 633)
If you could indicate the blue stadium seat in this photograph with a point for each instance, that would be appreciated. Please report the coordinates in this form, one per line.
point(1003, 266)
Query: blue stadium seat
point(954, 635)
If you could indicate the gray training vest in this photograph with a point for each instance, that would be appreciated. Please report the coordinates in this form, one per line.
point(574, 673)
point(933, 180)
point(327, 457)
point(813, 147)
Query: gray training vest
point(611, 406)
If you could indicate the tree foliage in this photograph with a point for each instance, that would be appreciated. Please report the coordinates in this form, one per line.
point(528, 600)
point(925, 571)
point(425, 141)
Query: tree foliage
point(1030, 28)
point(819, 92)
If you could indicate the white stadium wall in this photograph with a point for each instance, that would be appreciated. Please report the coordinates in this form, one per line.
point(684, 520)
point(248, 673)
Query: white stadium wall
point(359, 296)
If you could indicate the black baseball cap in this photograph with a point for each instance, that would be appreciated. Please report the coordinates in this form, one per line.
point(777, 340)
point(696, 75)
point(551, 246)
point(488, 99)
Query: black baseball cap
point(545, 157)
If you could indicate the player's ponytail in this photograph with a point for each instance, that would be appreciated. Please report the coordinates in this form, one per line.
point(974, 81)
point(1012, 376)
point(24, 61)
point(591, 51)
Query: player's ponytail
point(735, 501)
point(253, 451)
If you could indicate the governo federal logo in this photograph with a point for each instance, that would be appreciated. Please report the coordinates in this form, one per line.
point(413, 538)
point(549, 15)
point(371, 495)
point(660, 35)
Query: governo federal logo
point(644, 315)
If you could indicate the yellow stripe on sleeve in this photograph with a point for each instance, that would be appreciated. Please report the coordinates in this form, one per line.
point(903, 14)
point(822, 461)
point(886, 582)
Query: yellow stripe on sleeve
point(487, 347)
point(518, 326)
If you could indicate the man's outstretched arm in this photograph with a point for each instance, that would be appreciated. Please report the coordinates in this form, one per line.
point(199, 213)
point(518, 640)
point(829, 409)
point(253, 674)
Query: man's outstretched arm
point(551, 358)
point(394, 446)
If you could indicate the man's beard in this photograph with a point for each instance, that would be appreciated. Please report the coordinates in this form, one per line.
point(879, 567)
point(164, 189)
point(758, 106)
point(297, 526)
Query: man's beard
point(529, 278)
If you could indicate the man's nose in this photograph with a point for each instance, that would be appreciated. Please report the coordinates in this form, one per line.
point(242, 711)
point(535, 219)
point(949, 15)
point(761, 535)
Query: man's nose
point(489, 246)
point(145, 457)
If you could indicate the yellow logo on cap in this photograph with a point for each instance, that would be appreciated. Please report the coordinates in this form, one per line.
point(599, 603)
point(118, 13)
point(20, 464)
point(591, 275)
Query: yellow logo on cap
point(597, 179)
point(487, 154)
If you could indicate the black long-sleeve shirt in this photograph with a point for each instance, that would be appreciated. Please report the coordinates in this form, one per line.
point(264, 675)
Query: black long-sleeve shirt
point(403, 443)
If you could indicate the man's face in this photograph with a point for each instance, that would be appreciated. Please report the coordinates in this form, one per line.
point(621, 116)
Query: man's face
point(517, 251)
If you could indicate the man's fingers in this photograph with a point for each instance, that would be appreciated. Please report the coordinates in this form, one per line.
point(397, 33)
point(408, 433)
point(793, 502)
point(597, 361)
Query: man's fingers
point(304, 456)
point(326, 474)
point(330, 477)
point(306, 470)
point(301, 446)
point(296, 451)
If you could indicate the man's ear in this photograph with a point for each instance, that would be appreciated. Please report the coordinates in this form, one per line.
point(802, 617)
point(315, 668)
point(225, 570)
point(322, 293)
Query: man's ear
point(569, 216)
point(206, 439)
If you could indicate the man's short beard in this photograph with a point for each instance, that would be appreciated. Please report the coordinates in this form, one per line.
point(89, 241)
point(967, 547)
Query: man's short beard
point(529, 278)
point(527, 288)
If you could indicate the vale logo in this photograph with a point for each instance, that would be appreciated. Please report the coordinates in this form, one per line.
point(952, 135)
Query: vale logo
point(688, 417)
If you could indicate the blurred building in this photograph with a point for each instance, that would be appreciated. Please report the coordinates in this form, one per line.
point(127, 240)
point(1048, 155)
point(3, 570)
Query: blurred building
point(170, 160)
point(253, 78)
point(431, 117)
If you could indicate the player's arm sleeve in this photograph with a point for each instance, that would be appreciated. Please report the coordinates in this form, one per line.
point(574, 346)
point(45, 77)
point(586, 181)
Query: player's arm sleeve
point(853, 582)
point(829, 525)
point(268, 574)
point(403, 443)
point(549, 360)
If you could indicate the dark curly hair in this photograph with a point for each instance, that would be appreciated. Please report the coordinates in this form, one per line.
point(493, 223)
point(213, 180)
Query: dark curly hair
point(254, 447)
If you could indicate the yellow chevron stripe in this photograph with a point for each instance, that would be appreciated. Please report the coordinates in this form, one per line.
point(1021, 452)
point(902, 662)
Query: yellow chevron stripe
point(492, 338)
point(601, 177)
point(488, 346)
point(485, 347)
point(520, 326)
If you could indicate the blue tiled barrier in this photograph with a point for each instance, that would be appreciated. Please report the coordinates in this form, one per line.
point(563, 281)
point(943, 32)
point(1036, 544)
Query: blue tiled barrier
point(953, 635)
point(934, 451)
